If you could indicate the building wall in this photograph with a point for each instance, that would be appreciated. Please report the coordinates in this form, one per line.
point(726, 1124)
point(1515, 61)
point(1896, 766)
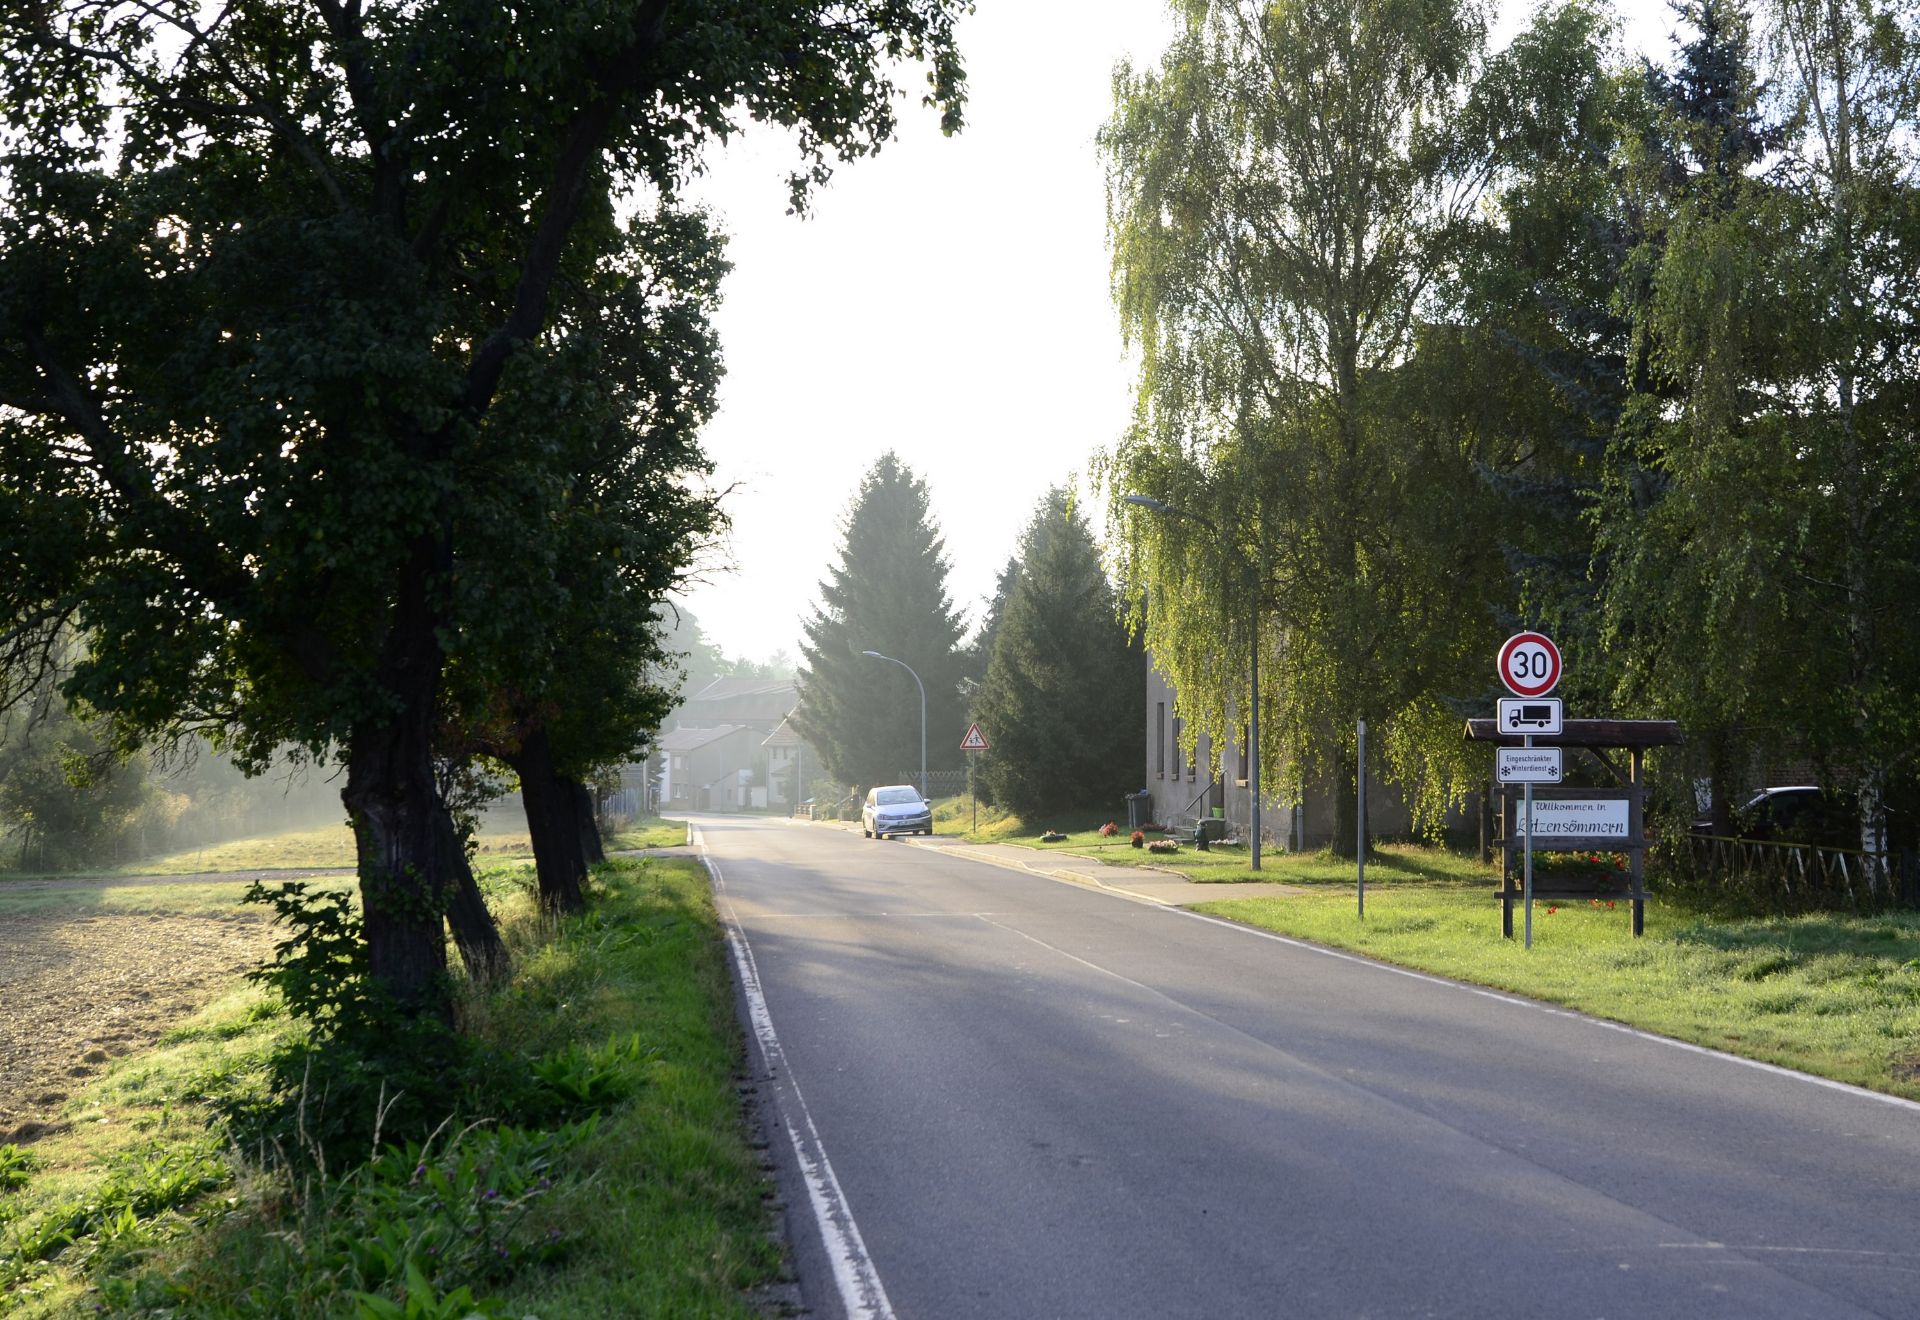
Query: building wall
point(1308, 824)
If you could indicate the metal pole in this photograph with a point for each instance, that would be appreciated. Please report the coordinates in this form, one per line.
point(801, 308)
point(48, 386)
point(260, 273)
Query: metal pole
point(1526, 856)
point(923, 712)
point(1253, 741)
point(1360, 825)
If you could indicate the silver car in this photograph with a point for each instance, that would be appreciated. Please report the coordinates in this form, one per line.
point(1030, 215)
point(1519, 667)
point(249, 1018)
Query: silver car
point(895, 809)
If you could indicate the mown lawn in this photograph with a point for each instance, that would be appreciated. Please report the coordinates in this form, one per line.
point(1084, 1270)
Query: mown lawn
point(653, 1205)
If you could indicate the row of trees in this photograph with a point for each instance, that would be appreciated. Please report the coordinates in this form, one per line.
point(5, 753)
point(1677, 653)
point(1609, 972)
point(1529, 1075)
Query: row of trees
point(1050, 674)
point(1443, 341)
point(352, 362)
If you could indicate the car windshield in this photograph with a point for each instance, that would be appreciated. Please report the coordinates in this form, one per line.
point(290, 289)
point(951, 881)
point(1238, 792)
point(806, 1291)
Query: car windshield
point(895, 797)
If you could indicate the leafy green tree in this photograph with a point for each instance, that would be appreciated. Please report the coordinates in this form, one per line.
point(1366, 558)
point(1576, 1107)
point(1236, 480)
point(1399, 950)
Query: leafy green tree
point(1286, 189)
point(1757, 564)
point(888, 593)
point(273, 276)
point(67, 794)
point(1066, 683)
point(582, 695)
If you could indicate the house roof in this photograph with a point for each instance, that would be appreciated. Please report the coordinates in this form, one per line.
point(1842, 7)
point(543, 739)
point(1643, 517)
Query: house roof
point(685, 740)
point(784, 736)
point(760, 702)
point(723, 689)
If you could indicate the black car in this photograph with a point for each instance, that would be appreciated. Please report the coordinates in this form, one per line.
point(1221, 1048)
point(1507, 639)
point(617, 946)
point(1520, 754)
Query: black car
point(1800, 813)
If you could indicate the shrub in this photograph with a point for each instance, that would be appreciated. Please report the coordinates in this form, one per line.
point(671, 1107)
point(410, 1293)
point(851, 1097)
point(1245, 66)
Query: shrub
point(1108, 830)
point(1163, 846)
point(1137, 839)
point(365, 1073)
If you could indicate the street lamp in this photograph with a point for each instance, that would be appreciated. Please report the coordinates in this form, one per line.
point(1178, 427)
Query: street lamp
point(923, 714)
point(1253, 715)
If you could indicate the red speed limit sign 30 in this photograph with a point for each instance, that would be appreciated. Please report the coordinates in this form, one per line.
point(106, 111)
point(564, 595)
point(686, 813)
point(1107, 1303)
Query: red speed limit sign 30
point(1529, 664)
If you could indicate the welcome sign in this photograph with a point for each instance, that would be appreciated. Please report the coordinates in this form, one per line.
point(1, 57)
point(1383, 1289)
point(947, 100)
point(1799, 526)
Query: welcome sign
point(1596, 819)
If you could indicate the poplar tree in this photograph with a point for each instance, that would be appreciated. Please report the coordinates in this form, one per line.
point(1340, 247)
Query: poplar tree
point(887, 593)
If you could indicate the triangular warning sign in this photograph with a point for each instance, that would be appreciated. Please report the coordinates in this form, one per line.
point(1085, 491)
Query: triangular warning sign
point(975, 741)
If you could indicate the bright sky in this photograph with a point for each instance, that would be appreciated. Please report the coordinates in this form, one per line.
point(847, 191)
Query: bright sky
point(947, 299)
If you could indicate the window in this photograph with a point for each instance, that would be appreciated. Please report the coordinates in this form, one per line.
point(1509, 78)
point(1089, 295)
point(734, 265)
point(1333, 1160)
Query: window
point(1176, 746)
point(1243, 753)
point(1160, 740)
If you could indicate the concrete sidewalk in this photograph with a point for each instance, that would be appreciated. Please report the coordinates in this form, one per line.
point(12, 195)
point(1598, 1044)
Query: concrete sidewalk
point(1148, 884)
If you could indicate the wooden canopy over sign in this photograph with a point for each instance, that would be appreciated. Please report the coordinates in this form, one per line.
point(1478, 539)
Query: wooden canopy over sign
point(1631, 734)
point(1596, 738)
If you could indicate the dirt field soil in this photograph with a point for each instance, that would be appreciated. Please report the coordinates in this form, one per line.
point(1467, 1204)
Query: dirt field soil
point(78, 991)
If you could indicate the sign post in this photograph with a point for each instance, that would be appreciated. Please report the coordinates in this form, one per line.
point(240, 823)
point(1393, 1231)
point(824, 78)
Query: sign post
point(1360, 811)
point(1529, 664)
point(975, 741)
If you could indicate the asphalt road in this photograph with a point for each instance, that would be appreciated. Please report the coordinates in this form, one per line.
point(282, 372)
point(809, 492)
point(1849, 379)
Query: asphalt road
point(1000, 1095)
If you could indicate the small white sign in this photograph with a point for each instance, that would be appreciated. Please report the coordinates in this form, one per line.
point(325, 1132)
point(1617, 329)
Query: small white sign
point(1527, 765)
point(975, 741)
point(1525, 715)
point(1596, 819)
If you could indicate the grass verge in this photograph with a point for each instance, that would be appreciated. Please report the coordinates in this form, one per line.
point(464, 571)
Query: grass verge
point(646, 1200)
point(649, 833)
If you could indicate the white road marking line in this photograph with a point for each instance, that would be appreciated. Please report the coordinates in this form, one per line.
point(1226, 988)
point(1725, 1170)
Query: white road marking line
point(1789, 1251)
point(861, 1291)
point(1846, 1088)
point(868, 916)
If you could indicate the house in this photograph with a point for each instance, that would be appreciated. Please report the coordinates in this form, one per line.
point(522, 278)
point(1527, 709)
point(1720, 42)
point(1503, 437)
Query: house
point(706, 769)
point(731, 747)
point(788, 761)
point(1187, 787)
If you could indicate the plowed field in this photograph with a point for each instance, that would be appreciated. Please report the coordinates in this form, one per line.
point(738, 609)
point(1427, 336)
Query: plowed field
point(78, 989)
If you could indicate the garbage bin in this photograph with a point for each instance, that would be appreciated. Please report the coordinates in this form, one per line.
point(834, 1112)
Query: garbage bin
point(1139, 808)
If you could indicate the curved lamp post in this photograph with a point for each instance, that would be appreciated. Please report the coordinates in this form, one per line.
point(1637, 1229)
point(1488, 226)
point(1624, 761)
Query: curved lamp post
point(923, 715)
point(1253, 715)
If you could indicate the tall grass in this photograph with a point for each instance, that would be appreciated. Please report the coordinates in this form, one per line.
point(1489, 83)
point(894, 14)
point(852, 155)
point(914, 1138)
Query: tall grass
point(618, 1179)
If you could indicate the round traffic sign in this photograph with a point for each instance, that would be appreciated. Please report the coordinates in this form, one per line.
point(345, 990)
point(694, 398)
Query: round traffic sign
point(1529, 664)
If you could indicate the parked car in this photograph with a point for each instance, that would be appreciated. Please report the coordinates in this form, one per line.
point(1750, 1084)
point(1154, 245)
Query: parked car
point(1799, 813)
point(895, 809)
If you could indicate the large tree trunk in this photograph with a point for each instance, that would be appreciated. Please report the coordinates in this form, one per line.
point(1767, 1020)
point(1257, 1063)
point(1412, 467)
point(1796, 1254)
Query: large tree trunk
point(393, 800)
point(474, 931)
point(590, 846)
point(395, 808)
point(558, 859)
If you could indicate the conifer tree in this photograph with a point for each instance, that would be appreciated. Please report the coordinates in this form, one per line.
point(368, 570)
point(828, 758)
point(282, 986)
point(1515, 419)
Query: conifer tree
point(1065, 684)
point(887, 593)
